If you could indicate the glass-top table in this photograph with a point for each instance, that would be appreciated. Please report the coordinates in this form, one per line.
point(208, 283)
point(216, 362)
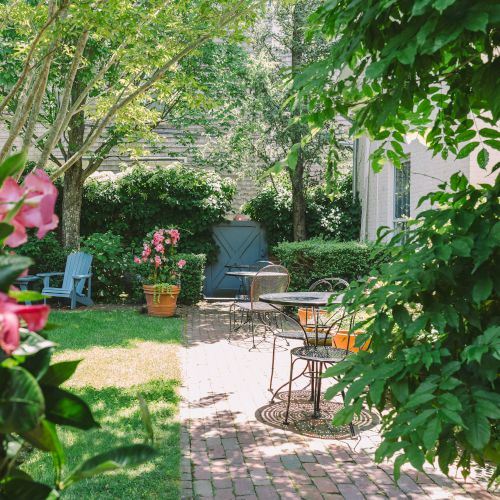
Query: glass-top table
point(302, 299)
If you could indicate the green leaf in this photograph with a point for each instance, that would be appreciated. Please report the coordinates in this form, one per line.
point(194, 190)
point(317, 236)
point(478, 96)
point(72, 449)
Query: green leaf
point(442, 4)
point(442, 252)
point(490, 133)
point(477, 21)
point(146, 417)
point(44, 437)
point(467, 150)
point(462, 246)
point(431, 433)
point(482, 158)
point(482, 289)
point(126, 456)
point(12, 165)
point(58, 373)
point(495, 144)
point(12, 266)
point(26, 295)
point(21, 400)
point(38, 363)
point(419, 400)
point(5, 230)
point(64, 408)
point(415, 456)
point(478, 433)
point(32, 343)
point(24, 489)
point(293, 157)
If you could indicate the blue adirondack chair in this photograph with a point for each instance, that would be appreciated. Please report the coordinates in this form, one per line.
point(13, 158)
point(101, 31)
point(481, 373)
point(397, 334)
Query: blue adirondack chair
point(76, 274)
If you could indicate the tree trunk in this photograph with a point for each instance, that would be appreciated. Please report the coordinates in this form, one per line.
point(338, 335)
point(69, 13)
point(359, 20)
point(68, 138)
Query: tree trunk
point(297, 174)
point(73, 178)
point(298, 202)
point(72, 206)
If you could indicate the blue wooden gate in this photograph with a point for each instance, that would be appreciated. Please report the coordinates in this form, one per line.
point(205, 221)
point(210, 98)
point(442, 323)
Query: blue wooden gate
point(240, 242)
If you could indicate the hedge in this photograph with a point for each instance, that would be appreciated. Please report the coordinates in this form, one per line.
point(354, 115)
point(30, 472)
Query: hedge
point(143, 198)
point(311, 260)
point(193, 275)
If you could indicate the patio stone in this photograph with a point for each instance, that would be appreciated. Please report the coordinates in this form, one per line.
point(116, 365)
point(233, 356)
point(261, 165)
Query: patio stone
point(229, 454)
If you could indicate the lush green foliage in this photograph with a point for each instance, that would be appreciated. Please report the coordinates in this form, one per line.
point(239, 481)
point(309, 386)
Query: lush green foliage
point(434, 321)
point(111, 266)
point(311, 260)
point(429, 67)
point(192, 278)
point(105, 338)
point(144, 199)
point(115, 277)
point(335, 217)
point(47, 254)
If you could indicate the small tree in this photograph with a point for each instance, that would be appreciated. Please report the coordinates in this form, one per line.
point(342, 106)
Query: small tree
point(431, 68)
point(105, 76)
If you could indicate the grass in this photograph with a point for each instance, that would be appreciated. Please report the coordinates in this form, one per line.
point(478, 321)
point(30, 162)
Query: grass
point(124, 353)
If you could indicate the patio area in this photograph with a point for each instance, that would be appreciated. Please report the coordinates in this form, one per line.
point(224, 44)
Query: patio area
point(228, 452)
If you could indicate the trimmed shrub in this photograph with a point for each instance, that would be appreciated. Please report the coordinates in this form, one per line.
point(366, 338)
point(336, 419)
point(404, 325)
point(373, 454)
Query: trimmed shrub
point(192, 278)
point(338, 219)
point(111, 265)
point(47, 254)
point(144, 198)
point(311, 260)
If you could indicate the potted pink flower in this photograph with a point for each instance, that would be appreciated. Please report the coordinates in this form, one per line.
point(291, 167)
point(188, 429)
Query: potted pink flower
point(162, 285)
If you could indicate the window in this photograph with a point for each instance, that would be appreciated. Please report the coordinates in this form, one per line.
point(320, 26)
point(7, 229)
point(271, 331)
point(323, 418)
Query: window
point(402, 195)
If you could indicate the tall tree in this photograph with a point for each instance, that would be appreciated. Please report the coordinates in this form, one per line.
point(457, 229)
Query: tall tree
point(258, 134)
point(114, 69)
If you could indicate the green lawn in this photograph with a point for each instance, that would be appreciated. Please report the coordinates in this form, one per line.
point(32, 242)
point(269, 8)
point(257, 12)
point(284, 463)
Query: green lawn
point(124, 353)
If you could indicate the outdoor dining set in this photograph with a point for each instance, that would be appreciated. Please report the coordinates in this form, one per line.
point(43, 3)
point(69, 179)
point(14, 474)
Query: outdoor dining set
point(317, 318)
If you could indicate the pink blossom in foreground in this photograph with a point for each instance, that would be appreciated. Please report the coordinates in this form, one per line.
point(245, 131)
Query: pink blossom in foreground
point(157, 261)
point(40, 197)
point(160, 248)
point(137, 260)
point(11, 312)
point(181, 263)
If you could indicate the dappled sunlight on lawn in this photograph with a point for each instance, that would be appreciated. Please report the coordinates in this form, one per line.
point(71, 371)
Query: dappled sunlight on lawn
point(123, 367)
point(123, 354)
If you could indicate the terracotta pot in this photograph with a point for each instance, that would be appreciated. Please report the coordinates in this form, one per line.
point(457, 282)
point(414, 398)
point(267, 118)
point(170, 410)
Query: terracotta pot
point(161, 303)
point(340, 341)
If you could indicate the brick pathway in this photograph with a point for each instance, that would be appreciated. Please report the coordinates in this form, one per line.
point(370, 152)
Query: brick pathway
point(228, 454)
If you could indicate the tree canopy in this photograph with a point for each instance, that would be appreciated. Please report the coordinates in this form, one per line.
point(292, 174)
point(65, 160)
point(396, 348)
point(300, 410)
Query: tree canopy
point(429, 67)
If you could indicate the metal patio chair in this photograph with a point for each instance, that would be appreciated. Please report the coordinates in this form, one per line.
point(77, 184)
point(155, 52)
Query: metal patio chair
point(319, 353)
point(289, 332)
point(269, 279)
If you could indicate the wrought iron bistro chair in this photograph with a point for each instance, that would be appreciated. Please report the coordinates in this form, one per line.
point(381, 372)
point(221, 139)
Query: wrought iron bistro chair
point(318, 355)
point(288, 332)
point(270, 279)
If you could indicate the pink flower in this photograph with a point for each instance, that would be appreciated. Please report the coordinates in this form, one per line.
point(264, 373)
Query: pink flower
point(158, 237)
point(157, 261)
point(35, 318)
point(181, 263)
point(175, 235)
point(160, 248)
point(38, 209)
point(137, 260)
point(167, 241)
point(147, 251)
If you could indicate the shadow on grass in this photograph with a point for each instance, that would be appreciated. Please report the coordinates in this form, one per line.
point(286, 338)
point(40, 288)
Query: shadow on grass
point(119, 328)
point(117, 410)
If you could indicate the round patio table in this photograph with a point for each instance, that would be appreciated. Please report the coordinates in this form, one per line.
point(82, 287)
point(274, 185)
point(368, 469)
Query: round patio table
point(314, 301)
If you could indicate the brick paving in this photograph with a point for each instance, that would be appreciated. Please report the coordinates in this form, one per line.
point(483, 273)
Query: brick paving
point(229, 454)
